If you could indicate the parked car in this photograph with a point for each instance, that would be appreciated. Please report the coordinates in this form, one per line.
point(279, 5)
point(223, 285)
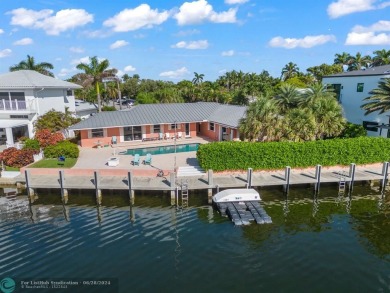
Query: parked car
point(129, 102)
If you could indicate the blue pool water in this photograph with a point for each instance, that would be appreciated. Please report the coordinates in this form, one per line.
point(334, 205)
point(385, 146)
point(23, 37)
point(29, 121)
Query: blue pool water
point(161, 150)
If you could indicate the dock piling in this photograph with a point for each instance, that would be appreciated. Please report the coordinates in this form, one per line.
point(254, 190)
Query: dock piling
point(130, 183)
point(97, 190)
point(318, 178)
point(249, 177)
point(287, 174)
point(30, 191)
point(172, 183)
point(385, 171)
point(352, 170)
point(64, 192)
point(210, 187)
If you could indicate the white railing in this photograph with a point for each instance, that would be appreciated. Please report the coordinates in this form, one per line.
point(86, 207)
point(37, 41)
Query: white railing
point(14, 105)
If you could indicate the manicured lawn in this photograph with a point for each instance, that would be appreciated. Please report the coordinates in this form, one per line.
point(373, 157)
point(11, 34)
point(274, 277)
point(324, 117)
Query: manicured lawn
point(53, 163)
point(11, 168)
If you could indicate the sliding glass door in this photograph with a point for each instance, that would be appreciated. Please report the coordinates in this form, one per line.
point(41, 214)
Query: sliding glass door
point(132, 133)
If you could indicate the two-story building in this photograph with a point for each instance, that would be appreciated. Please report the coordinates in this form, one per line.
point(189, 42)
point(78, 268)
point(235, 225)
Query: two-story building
point(352, 88)
point(27, 94)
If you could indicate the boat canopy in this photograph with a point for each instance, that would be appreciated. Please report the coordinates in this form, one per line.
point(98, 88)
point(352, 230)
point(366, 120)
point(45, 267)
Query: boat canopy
point(231, 195)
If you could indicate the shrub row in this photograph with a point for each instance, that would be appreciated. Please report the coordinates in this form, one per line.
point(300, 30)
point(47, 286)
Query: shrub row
point(220, 156)
point(63, 148)
point(13, 157)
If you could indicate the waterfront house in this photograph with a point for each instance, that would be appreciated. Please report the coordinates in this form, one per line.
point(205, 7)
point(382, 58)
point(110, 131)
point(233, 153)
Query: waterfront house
point(24, 96)
point(351, 88)
point(162, 121)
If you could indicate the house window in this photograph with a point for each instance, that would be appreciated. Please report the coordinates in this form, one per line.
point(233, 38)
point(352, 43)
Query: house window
point(18, 116)
point(360, 87)
point(173, 126)
point(211, 126)
point(69, 93)
point(97, 132)
point(156, 128)
point(370, 126)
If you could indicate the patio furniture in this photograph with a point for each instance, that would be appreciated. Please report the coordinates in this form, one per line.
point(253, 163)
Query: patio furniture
point(148, 159)
point(167, 136)
point(113, 140)
point(179, 134)
point(160, 136)
point(113, 162)
point(136, 160)
point(61, 160)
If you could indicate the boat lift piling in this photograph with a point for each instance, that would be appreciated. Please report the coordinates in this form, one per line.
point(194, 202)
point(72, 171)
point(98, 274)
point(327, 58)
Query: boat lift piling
point(385, 171)
point(352, 170)
point(210, 182)
point(97, 190)
point(64, 191)
point(318, 179)
point(249, 177)
point(287, 173)
point(130, 184)
point(30, 191)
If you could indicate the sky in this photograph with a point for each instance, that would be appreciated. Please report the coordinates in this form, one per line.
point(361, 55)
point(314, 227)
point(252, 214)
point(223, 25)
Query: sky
point(170, 40)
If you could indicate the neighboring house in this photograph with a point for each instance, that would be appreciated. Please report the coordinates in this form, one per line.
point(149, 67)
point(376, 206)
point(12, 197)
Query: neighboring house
point(351, 88)
point(27, 94)
point(85, 109)
point(153, 121)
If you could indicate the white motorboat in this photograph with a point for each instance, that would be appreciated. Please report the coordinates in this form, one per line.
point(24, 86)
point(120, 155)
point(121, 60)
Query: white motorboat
point(236, 195)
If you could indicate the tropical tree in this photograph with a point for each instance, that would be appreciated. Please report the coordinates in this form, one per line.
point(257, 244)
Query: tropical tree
point(314, 92)
point(382, 57)
point(299, 125)
point(358, 62)
point(198, 79)
point(29, 64)
point(379, 101)
point(324, 69)
point(287, 97)
point(94, 73)
point(55, 121)
point(289, 70)
point(342, 59)
point(261, 120)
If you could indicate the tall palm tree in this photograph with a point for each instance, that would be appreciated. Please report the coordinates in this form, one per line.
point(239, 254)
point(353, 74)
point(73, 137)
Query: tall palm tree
point(316, 91)
point(299, 125)
point(287, 97)
point(289, 70)
point(358, 62)
point(342, 59)
point(382, 57)
point(94, 73)
point(198, 79)
point(29, 64)
point(380, 99)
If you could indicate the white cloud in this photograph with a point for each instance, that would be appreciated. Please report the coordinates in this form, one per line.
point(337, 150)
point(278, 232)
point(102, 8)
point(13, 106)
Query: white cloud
point(197, 12)
point(306, 42)
point(62, 21)
point(175, 74)
point(228, 53)
point(76, 50)
point(84, 60)
point(65, 72)
point(235, 1)
point(344, 7)
point(5, 53)
point(134, 19)
point(193, 45)
point(23, 42)
point(369, 35)
point(129, 68)
point(1, 31)
point(118, 44)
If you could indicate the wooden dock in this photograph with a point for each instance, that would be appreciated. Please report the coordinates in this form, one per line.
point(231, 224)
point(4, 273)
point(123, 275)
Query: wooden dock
point(99, 181)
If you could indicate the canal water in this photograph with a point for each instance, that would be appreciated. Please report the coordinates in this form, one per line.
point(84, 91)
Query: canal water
point(324, 243)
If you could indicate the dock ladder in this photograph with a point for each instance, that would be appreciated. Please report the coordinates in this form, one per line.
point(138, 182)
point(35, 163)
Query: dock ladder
point(342, 186)
point(184, 194)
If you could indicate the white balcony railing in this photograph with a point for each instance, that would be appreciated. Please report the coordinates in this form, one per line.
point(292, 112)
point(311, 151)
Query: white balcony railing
point(15, 105)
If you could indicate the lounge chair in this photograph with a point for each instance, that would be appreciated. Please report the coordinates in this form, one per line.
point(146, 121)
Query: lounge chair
point(167, 136)
point(179, 134)
point(161, 136)
point(148, 159)
point(136, 160)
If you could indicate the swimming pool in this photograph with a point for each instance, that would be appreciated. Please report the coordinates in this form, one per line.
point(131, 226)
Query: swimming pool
point(169, 149)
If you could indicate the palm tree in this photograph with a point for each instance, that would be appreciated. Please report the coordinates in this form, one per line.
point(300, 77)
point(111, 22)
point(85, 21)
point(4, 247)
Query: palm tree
point(380, 99)
point(95, 72)
point(198, 79)
point(29, 64)
point(299, 125)
point(287, 97)
point(289, 70)
point(358, 62)
point(342, 59)
point(261, 120)
point(316, 91)
point(382, 57)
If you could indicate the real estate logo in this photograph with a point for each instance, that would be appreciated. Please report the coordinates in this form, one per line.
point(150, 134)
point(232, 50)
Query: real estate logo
point(7, 285)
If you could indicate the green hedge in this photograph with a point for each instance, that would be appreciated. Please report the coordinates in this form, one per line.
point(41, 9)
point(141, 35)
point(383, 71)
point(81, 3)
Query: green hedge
point(63, 148)
point(220, 156)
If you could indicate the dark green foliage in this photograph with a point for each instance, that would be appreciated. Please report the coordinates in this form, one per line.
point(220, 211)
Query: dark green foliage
point(63, 148)
point(353, 130)
point(31, 144)
point(108, 108)
point(220, 156)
